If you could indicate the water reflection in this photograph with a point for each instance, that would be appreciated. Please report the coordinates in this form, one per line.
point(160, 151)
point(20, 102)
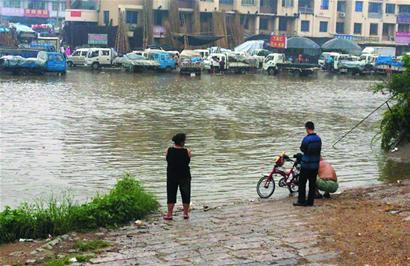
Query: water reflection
point(84, 130)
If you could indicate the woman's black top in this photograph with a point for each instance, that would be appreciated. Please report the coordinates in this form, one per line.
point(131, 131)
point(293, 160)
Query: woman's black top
point(178, 164)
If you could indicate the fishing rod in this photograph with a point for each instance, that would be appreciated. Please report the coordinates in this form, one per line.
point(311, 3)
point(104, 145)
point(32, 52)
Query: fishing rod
point(361, 121)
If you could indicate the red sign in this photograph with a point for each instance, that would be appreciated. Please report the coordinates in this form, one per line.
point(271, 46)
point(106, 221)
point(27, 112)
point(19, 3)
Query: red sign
point(278, 42)
point(75, 14)
point(36, 13)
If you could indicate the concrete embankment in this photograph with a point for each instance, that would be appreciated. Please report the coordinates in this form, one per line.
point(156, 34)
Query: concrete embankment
point(358, 227)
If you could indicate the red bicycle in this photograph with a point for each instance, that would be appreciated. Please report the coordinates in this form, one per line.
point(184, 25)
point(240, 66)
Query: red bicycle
point(288, 178)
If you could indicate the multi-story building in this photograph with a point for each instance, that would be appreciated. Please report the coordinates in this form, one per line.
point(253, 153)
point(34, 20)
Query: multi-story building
point(32, 11)
point(386, 21)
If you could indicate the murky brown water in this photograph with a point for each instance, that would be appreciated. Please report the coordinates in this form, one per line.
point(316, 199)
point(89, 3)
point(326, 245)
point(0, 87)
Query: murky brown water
point(81, 131)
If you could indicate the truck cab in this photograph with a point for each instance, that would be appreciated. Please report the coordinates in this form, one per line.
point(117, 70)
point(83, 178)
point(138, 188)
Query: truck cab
point(166, 62)
point(52, 62)
point(78, 57)
point(271, 61)
point(98, 57)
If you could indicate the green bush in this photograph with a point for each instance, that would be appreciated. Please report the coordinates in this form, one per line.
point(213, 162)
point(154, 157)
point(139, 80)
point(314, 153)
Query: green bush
point(396, 120)
point(125, 202)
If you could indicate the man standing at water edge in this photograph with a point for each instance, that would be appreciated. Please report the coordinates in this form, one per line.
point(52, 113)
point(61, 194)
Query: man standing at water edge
point(311, 148)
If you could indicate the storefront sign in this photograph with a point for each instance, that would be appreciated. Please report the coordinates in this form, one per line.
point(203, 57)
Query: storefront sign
point(101, 39)
point(403, 37)
point(159, 32)
point(76, 14)
point(403, 19)
point(344, 36)
point(279, 42)
point(36, 13)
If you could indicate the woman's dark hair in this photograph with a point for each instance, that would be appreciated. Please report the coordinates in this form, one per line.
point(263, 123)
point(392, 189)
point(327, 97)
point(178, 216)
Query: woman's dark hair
point(310, 125)
point(179, 138)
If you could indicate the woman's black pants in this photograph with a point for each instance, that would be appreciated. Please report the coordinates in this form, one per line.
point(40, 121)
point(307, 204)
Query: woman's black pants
point(184, 186)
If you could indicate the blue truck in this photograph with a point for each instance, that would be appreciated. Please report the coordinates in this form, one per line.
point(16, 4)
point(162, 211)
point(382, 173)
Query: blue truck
point(166, 62)
point(44, 62)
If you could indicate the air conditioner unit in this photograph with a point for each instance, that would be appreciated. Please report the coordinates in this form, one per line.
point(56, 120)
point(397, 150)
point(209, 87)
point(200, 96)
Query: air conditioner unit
point(342, 14)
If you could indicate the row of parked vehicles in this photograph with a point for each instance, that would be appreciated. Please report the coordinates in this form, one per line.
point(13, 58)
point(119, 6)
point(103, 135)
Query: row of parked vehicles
point(368, 62)
point(188, 61)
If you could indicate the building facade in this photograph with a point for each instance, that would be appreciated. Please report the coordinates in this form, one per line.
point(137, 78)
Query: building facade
point(31, 12)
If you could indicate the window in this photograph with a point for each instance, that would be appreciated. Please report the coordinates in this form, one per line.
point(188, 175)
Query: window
point(323, 26)
point(248, 2)
point(55, 6)
point(131, 17)
point(76, 53)
point(92, 54)
point(374, 28)
point(37, 4)
point(404, 8)
point(375, 7)
point(263, 24)
point(287, 3)
point(244, 21)
point(305, 25)
point(283, 24)
point(358, 6)
point(357, 28)
point(83, 53)
point(62, 6)
point(106, 17)
point(324, 5)
point(226, 2)
point(105, 52)
point(340, 28)
point(341, 6)
point(390, 8)
point(12, 3)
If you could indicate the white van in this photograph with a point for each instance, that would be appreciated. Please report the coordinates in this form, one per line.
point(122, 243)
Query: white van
point(98, 57)
point(78, 57)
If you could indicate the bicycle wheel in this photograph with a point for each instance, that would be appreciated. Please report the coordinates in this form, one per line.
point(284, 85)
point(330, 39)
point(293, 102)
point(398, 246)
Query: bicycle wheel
point(293, 186)
point(265, 187)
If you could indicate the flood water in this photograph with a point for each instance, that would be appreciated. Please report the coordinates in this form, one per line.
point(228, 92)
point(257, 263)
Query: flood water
point(82, 131)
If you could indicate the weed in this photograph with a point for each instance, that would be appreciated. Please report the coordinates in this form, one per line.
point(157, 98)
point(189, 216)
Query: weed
point(91, 245)
point(125, 202)
point(84, 257)
point(57, 262)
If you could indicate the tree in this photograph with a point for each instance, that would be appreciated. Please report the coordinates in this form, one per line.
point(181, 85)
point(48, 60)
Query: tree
point(395, 124)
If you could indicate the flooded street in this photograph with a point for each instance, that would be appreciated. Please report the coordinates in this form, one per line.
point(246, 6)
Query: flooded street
point(80, 132)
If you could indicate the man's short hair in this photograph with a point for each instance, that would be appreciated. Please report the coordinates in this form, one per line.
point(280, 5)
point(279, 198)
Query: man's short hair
point(310, 125)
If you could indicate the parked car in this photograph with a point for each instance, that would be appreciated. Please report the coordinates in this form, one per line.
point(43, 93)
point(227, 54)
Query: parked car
point(98, 57)
point(135, 63)
point(78, 57)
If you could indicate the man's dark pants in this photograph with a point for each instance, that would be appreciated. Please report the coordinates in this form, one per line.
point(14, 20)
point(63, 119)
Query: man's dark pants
point(305, 175)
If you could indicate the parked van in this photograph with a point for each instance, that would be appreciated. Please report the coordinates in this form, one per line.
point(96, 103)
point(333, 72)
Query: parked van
point(98, 57)
point(78, 57)
point(203, 52)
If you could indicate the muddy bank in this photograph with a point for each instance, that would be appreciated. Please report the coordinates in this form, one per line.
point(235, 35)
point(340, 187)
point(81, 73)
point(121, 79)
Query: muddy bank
point(367, 226)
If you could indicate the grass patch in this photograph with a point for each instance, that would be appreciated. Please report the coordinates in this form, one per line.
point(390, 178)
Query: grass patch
point(127, 201)
point(84, 258)
point(91, 245)
point(57, 262)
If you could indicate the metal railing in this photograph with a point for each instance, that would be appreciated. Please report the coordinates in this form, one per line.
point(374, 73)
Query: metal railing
point(305, 10)
point(375, 15)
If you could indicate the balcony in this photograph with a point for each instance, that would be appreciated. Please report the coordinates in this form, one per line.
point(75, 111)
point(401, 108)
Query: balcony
point(375, 15)
point(267, 10)
point(305, 10)
point(389, 38)
point(81, 15)
point(185, 4)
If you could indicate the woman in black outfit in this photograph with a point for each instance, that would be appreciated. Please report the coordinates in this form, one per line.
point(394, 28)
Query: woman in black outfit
point(178, 175)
